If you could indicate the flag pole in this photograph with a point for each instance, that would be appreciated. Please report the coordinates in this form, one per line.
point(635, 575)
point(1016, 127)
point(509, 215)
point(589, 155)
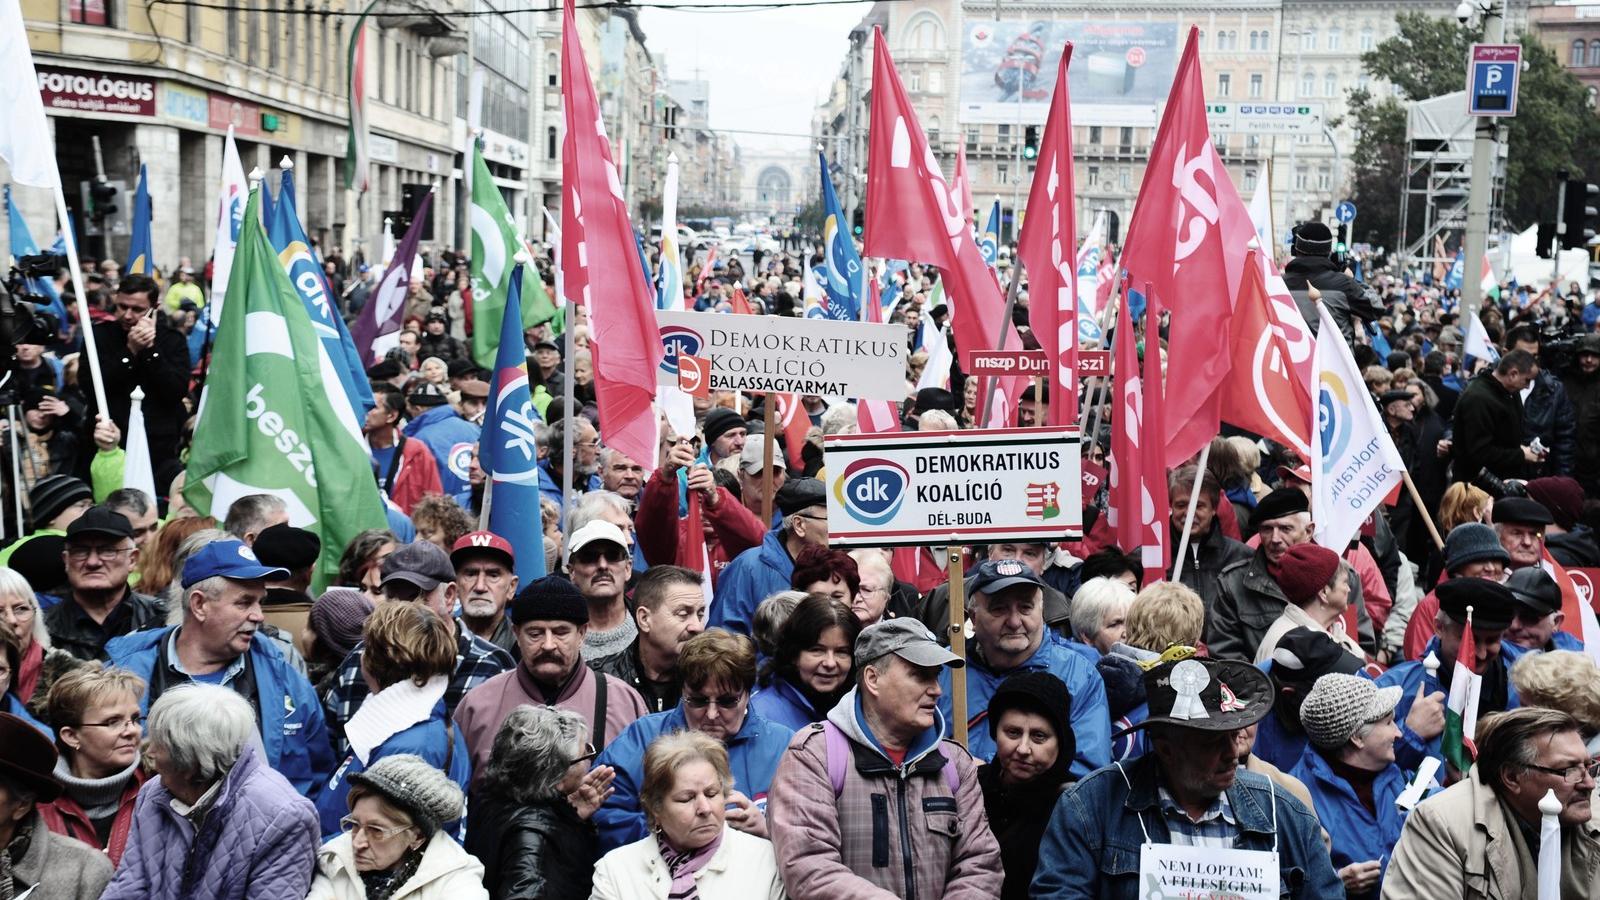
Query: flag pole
point(85, 324)
point(1427, 519)
point(958, 640)
point(1194, 498)
point(769, 420)
point(1000, 342)
point(1111, 363)
point(568, 494)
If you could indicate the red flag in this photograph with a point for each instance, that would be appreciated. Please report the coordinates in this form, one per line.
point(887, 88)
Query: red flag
point(1579, 618)
point(1152, 469)
point(961, 188)
point(796, 424)
point(1047, 248)
point(912, 215)
point(600, 266)
point(705, 268)
point(692, 546)
point(1125, 514)
point(739, 303)
point(1184, 241)
point(875, 416)
point(1268, 390)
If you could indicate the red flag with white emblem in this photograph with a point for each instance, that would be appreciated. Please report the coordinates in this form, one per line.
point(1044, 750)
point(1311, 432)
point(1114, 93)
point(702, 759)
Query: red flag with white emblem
point(600, 265)
point(1186, 240)
point(796, 424)
point(1268, 389)
point(1125, 514)
point(1047, 248)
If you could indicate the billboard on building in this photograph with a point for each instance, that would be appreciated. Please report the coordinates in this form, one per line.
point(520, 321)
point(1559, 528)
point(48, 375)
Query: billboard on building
point(1120, 70)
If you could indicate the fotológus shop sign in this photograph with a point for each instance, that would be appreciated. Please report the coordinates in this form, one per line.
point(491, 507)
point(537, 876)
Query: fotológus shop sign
point(97, 92)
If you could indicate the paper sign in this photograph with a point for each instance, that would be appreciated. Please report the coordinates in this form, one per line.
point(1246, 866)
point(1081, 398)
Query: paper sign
point(1181, 872)
point(951, 487)
point(785, 355)
point(1005, 362)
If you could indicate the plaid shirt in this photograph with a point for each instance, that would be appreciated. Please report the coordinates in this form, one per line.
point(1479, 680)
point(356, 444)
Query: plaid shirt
point(1216, 827)
point(477, 661)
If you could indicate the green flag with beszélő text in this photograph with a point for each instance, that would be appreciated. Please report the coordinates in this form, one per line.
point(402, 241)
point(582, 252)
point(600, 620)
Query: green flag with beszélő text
point(494, 248)
point(274, 418)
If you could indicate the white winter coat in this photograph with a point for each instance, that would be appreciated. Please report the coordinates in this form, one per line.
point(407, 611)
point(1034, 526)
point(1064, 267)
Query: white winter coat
point(447, 872)
point(743, 868)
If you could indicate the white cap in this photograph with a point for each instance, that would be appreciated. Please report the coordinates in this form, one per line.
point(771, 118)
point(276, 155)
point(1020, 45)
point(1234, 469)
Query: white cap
point(598, 530)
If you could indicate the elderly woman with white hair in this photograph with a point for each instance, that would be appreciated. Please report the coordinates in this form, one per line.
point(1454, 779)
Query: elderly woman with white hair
point(21, 616)
point(1100, 613)
point(216, 821)
point(530, 823)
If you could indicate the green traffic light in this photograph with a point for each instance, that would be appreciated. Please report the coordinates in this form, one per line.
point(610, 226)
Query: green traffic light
point(1030, 152)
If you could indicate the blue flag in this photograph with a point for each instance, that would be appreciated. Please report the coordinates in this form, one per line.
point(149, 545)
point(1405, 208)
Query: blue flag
point(840, 272)
point(22, 244)
point(140, 260)
point(305, 271)
point(1452, 281)
point(1380, 343)
point(989, 241)
point(507, 450)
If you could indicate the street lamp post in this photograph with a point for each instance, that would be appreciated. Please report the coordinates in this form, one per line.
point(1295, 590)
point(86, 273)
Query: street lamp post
point(1485, 158)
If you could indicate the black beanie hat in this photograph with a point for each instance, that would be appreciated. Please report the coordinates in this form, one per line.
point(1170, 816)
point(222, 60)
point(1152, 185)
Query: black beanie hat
point(1312, 239)
point(1042, 693)
point(550, 599)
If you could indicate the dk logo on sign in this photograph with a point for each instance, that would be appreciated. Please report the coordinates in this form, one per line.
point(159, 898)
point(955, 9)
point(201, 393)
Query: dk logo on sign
point(678, 340)
point(871, 490)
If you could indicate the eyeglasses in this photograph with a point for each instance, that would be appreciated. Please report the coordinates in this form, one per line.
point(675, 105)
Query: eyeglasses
point(1572, 774)
point(116, 724)
point(589, 752)
point(375, 834)
point(80, 554)
point(726, 701)
point(812, 517)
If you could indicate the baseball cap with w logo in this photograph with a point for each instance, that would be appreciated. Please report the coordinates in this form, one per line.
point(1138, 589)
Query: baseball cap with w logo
point(481, 543)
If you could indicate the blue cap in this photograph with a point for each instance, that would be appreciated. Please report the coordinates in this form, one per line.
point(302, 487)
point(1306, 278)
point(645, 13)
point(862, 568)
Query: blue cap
point(230, 559)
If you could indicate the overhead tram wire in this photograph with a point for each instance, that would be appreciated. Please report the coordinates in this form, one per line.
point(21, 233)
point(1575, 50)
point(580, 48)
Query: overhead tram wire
point(703, 7)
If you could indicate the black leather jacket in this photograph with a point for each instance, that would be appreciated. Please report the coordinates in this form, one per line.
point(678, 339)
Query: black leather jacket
point(539, 851)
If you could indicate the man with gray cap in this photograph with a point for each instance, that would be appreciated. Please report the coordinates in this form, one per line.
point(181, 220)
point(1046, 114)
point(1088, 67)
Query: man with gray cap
point(874, 801)
point(1186, 806)
point(760, 572)
point(417, 572)
point(219, 642)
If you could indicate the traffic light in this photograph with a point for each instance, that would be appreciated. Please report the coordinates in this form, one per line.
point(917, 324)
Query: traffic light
point(101, 193)
point(1030, 142)
point(857, 220)
point(1581, 215)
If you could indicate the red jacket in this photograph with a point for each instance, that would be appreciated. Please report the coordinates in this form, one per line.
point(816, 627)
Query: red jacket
point(734, 529)
point(417, 474)
point(65, 817)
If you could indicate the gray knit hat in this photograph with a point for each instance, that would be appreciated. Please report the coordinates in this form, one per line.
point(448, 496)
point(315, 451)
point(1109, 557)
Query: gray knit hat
point(1339, 705)
point(1472, 542)
point(417, 787)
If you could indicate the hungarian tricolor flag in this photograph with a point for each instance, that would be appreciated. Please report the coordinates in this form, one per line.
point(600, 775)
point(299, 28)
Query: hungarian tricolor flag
point(1461, 711)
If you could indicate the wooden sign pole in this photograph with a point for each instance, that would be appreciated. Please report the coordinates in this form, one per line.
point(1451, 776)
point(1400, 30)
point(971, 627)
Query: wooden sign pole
point(958, 641)
point(769, 418)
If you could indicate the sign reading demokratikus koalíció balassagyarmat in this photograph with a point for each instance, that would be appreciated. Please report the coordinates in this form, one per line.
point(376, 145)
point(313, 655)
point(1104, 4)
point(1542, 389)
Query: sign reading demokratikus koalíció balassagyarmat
point(951, 487)
point(786, 355)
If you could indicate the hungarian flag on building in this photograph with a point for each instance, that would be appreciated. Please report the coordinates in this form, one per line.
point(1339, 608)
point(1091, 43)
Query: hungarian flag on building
point(1461, 710)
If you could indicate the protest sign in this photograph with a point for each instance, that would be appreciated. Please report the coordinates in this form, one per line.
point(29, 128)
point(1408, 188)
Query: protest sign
point(1005, 362)
point(1094, 363)
point(784, 355)
point(1584, 580)
point(948, 487)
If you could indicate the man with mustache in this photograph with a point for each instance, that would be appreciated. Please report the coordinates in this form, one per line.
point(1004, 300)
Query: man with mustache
point(220, 643)
point(599, 562)
point(550, 619)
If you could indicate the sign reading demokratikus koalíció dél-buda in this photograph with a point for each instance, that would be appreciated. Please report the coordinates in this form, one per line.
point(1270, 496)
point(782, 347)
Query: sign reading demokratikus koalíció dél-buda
point(944, 487)
point(784, 355)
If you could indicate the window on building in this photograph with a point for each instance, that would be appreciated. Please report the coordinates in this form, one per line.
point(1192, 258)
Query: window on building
point(1224, 84)
point(1002, 173)
point(252, 32)
point(1363, 80)
point(1367, 40)
point(933, 130)
point(552, 68)
point(1092, 175)
point(914, 81)
point(1301, 178)
point(1123, 178)
point(1125, 137)
point(1574, 60)
point(1335, 38)
point(1594, 52)
point(383, 66)
point(275, 19)
point(1003, 133)
point(972, 136)
point(1255, 40)
point(935, 81)
point(1095, 134)
point(230, 31)
point(1266, 40)
point(1308, 39)
point(552, 149)
point(925, 33)
point(1330, 84)
point(1257, 84)
point(88, 12)
point(1249, 179)
point(1252, 142)
point(1308, 85)
point(1324, 179)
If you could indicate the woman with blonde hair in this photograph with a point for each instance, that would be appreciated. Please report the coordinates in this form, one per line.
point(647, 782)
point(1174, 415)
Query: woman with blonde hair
point(1462, 503)
point(158, 568)
point(95, 710)
point(1567, 680)
point(21, 616)
point(687, 785)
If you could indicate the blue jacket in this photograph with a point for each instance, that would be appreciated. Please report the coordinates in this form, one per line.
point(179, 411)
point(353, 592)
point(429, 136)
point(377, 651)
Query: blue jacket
point(424, 739)
point(451, 439)
point(1561, 640)
point(11, 703)
point(549, 490)
point(1091, 716)
point(1282, 747)
point(293, 733)
point(1411, 676)
point(1091, 847)
point(752, 577)
point(753, 756)
point(1357, 835)
point(785, 704)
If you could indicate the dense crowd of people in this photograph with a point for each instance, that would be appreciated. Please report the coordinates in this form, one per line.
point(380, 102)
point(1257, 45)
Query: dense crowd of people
point(186, 710)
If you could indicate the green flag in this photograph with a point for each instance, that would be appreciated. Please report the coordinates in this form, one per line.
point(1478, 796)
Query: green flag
point(494, 248)
point(274, 418)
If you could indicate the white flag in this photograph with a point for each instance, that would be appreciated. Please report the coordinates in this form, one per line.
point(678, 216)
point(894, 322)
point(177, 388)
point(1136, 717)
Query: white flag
point(136, 469)
point(1477, 344)
point(936, 372)
point(25, 140)
point(230, 215)
point(1261, 215)
point(1354, 463)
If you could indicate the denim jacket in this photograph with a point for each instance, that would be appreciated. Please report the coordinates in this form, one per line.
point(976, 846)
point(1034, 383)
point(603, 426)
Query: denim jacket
point(1091, 847)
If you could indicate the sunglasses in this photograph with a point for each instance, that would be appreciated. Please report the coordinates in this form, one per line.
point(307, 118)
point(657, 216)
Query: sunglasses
point(611, 553)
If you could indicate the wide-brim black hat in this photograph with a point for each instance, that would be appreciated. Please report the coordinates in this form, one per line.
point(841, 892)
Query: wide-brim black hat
point(1205, 694)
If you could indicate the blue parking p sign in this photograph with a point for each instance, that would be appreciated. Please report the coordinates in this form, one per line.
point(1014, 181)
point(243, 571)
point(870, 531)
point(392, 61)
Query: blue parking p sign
point(1493, 71)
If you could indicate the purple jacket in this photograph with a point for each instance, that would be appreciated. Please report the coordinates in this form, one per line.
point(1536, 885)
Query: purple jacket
point(259, 841)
